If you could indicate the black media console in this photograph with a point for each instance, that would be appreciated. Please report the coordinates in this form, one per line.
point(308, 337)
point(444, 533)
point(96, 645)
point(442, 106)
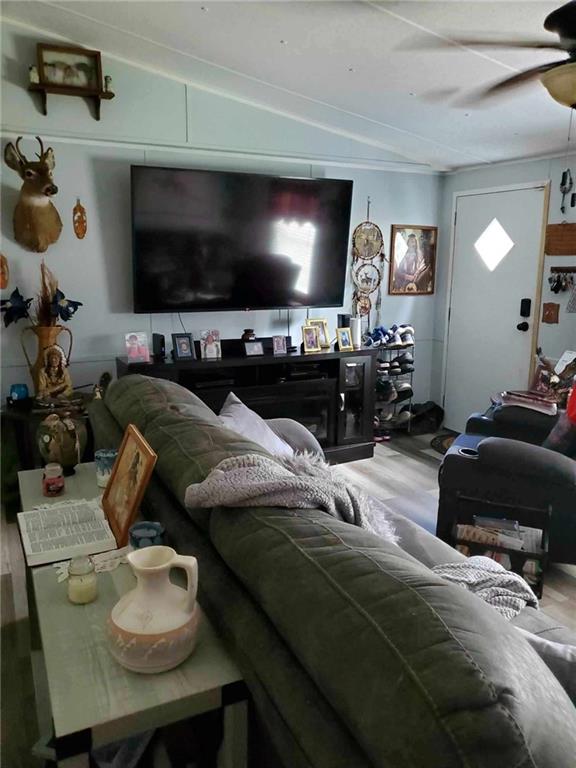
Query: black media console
point(331, 393)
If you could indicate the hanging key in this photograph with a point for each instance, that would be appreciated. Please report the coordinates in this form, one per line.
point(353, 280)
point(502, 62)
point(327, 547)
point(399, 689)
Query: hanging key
point(565, 187)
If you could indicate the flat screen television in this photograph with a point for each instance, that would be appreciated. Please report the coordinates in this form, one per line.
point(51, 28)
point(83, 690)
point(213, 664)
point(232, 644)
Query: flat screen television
point(211, 240)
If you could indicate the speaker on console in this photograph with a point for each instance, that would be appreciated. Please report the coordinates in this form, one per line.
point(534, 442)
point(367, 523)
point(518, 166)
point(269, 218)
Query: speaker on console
point(344, 321)
point(158, 347)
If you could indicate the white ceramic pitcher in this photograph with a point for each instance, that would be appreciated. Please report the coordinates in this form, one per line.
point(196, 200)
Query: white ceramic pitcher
point(153, 627)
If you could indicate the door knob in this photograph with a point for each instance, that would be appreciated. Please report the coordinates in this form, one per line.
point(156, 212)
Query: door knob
point(523, 326)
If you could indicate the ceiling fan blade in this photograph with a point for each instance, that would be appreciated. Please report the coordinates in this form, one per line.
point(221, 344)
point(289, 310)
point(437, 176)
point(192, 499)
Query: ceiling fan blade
point(424, 43)
point(520, 79)
point(563, 21)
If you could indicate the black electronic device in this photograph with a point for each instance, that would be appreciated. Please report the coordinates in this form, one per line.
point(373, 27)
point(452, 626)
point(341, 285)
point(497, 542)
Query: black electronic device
point(211, 240)
point(158, 347)
point(525, 307)
point(344, 321)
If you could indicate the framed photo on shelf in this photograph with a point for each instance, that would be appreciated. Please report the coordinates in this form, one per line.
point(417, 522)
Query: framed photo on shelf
point(253, 348)
point(412, 260)
point(279, 345)
point(310, 338)
point(323, 335)
point(130, 475)
point(210, 347)
point(183, 346)
point(344, 337)
point(137, 350)
point(70, 66)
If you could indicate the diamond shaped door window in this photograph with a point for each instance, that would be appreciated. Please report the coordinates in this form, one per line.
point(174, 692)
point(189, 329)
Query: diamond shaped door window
point(494, 244)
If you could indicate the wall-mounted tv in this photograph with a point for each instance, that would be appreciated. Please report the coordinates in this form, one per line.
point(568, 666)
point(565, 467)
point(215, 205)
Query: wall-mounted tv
point(211, 240)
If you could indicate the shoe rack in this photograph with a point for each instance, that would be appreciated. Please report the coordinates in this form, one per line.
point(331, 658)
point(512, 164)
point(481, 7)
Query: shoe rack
point(387, 413)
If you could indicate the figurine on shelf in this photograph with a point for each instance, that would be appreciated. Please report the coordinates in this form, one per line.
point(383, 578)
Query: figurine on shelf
point(54, 379)
point(33, 75)
point(108, 83)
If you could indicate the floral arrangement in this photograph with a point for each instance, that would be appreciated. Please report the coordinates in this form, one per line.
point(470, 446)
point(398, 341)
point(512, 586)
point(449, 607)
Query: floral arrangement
point(50, 306)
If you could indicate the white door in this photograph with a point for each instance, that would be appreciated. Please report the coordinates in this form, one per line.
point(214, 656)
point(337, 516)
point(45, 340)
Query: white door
point(497, 248)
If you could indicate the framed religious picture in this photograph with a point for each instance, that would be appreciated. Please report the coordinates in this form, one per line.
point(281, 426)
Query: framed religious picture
point(412, 259)
point(125, 490)
point(344, 338)
point(323, 336)
point(310, 338)
point(279, 345)
point(183, 346)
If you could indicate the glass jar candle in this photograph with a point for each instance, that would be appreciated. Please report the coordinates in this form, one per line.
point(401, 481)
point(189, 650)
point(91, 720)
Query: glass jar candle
point(82, 581)
point(52, 480)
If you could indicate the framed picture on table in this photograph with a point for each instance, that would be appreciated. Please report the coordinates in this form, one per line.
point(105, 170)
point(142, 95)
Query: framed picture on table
point(125, 490)
point(310, 338)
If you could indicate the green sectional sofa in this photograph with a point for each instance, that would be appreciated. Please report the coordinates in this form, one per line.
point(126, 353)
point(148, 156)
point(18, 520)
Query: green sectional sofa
point(355, 653)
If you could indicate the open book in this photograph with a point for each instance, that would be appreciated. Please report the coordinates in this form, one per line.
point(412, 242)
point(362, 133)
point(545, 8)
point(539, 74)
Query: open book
point(62, 531)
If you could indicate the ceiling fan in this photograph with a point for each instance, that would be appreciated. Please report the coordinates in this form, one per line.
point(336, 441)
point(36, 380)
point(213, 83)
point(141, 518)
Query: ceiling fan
point(558, 77)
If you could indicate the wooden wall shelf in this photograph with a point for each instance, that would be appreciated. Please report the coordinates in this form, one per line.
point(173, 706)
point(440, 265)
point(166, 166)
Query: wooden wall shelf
point(64, 90)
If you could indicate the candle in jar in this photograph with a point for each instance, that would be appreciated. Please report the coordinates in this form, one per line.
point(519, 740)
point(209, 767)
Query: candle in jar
point(82, 581)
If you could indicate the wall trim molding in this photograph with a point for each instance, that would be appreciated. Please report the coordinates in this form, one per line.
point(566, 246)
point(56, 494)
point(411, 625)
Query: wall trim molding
point(516, 161)
point(396, 166)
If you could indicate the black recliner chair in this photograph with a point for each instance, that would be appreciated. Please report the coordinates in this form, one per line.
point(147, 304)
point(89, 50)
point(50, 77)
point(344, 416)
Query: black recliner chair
point(500, 460)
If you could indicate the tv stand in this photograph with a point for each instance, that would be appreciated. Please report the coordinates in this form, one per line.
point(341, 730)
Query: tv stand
point(331, 393)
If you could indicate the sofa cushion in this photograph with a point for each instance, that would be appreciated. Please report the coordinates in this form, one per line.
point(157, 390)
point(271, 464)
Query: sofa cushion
point(239, 418)
point(423, 672)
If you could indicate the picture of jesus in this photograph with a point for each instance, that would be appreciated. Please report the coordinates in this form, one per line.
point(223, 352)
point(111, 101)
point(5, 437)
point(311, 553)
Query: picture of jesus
point(412, 260)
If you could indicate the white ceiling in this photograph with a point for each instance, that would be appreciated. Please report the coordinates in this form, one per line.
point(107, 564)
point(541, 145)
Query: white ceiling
point(395, 97)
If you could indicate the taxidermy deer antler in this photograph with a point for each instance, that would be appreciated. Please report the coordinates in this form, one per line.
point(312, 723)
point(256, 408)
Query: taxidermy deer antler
point(37, 223)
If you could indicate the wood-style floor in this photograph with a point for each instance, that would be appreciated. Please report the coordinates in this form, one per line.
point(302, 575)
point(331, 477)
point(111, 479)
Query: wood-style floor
point(402, 472)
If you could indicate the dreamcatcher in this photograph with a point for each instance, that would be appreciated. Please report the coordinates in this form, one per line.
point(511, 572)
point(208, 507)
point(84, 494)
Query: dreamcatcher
point(367, 262)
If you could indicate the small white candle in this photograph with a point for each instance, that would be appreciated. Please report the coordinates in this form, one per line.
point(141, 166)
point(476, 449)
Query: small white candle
point(82, 581)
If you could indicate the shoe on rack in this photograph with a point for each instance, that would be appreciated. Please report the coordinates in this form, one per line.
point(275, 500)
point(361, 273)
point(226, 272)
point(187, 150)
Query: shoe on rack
point(405, 368)
point(395, 341)
point(403, 418)
point(407, 340)
point(383, 366)
point(386, 389)
point(404, 391)
point(395, 370)
point(405, 328)
point(405, 357)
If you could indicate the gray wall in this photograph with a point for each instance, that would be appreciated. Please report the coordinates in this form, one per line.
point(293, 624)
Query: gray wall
point(159, 121)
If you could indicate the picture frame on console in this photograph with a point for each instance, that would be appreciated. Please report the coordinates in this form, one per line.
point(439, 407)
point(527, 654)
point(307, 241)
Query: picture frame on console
point(311, 338)
point(344, 338)
point(183, 346)
point(210, 345)
point(279, 345)
point(323, 333)
point(253, 348)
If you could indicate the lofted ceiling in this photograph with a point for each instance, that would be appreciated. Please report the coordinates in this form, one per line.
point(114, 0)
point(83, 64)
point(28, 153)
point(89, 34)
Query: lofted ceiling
point(350, 66)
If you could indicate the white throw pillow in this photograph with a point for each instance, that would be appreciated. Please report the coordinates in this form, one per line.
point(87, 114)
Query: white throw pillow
point(239, 418)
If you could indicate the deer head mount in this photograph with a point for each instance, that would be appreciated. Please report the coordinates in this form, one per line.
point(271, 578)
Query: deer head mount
point(37, 223)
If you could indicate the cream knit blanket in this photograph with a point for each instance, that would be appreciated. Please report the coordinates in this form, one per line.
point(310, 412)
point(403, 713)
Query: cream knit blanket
point(302, 481)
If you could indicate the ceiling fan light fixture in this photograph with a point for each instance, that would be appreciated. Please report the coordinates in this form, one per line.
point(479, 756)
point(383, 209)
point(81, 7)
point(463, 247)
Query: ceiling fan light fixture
point(560, 83)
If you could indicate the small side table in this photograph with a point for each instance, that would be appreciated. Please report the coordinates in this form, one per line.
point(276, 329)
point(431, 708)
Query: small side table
point(95, 701)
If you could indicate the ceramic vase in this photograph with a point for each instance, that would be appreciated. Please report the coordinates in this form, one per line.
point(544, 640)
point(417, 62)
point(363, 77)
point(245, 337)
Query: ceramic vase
point(62, 439)
point(46, 336)
point(153, 627)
